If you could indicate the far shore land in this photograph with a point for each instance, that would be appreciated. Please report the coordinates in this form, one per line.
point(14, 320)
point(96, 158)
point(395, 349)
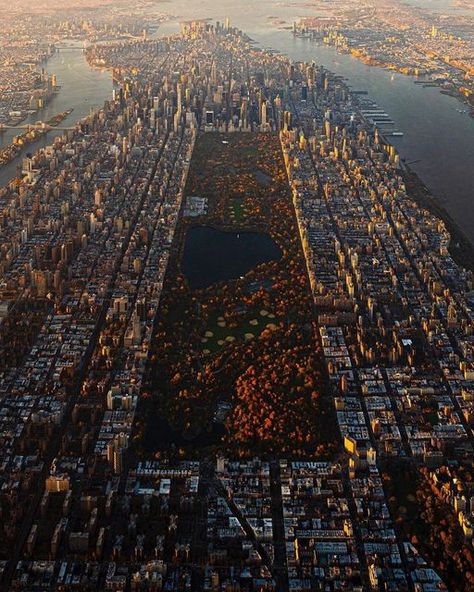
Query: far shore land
point(468, 102)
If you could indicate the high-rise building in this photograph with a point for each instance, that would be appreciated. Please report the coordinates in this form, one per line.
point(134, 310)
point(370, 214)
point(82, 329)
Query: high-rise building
point(264, 117)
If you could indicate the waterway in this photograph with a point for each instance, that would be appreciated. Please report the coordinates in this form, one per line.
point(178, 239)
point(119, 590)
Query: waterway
point(438, 135)
point(211, 255)
point(441, 6)
point(82, 89)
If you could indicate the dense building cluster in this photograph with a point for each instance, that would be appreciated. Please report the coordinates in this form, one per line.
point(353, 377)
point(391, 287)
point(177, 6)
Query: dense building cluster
point(436, 45)
point(394, 309)
point(29, 35)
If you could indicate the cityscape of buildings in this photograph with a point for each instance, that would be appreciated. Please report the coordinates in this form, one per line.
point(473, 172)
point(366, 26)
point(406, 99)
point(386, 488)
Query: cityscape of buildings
point(437, 47)
point(303, 423)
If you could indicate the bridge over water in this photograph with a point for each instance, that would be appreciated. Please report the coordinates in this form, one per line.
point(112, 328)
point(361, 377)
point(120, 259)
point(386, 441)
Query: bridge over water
point(62, 48)
point(31, 127)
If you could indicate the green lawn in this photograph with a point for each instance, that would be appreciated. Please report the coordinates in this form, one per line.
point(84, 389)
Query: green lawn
point(218, 335)
point(237, 210)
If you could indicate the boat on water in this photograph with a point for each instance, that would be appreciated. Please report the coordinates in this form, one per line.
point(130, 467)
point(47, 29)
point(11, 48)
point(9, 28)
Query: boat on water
point(56, 120)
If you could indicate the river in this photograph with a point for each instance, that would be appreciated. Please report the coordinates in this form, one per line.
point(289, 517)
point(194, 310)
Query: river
point(438, 134)
point(82, 88)
point(440, 6)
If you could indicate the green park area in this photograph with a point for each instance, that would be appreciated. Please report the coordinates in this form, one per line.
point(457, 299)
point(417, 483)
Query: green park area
point(220, 333)
point(236, 315)
point(238, 213)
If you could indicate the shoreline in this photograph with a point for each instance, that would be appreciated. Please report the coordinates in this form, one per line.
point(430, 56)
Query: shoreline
point(45, 138)
point(48, 95)
point(21, 142)
point(461, 248)
point(420, 79)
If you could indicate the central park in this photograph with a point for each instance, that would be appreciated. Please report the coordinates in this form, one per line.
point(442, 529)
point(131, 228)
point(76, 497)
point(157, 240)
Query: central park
point(236, 363)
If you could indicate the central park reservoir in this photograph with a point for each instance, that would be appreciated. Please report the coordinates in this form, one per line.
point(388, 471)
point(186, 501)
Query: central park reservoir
point(211, 256)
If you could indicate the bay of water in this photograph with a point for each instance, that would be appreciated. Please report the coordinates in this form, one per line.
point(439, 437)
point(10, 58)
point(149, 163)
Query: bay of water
point(440, 6)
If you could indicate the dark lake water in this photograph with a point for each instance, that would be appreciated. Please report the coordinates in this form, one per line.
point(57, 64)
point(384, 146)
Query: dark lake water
point(262, 178)
point(211, 256)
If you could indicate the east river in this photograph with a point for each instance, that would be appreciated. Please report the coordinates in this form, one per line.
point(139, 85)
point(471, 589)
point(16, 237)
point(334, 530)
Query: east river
point(438, 139)
point(82, 88)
